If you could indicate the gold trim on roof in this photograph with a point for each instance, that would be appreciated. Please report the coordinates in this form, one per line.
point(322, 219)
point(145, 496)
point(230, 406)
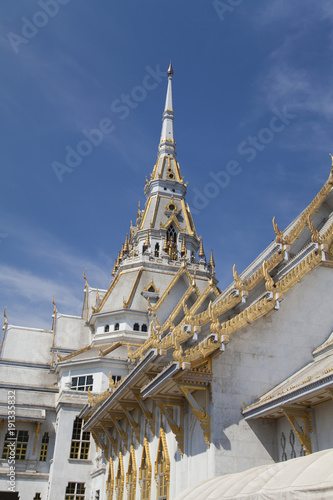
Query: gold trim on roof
point(151, 284)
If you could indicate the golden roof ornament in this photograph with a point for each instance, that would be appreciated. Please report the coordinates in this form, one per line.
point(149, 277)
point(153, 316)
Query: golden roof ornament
point(122, 252)
point(183, 250)
point(201, 250)
point(90, 397)
point(6, 319)
point(146, 243)
point(269, 285)
point(315, 238)
point(212, 262)
point(84, 277)
point(237, 279)
point(111, 381)
point(126, 245)
point(279, 234)
point(114, 267)
point(97, 296)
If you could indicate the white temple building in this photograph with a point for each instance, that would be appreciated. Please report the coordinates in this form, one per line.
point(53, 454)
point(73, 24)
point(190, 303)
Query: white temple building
point(167, 387)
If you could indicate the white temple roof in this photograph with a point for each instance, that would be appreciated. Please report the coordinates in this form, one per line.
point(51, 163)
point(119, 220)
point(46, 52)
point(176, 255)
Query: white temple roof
point(309, 477)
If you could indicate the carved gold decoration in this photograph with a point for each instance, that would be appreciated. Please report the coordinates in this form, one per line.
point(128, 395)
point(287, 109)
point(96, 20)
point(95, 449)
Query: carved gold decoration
point(162, 446)
point(145, 457)
point(269, 285)
point(279, 234)
point(135, 425)
point(131, 471)
point(211, 261)
point(201, 414)
point(126, 245)
point(302, 430)
point(151, 285)
point(157, 202)
point(257, 276)
point(183, 249)
point(201, 250)
point(150, 417)
point(110, 481)
point(171, 219)
point(237, 279)
point(165, 246)
point(176, 429)
point(122, 434)
point(315, 236)
point(120, 476)
point(298, 272)
point(111, 381)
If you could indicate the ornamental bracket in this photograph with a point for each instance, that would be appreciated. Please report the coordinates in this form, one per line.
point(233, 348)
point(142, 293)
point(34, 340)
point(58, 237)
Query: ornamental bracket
point(148, 415)
point(202, 415)
point(301, 422)
point(177, 430)
point(123, 434)
point(135, 425)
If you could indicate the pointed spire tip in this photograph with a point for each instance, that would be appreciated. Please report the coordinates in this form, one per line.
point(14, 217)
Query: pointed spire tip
point(170, 70)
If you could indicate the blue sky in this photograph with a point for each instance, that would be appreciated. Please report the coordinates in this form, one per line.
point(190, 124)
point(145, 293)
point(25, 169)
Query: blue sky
point(239, 67)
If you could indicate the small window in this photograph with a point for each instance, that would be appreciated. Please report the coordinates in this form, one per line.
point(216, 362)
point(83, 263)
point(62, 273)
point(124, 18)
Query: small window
point(44, 447)
point(97, 495)
point(136, 327)
point(144, 328)
point(37, 496)
point(116, 378)
point(157, 250)
point(82, 383)
point(106, 328)
point(116, 327)
point(75, 491)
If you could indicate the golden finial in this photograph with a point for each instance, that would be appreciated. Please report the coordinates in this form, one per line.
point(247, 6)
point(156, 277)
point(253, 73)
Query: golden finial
point(211, 262)
point(170, 70)
point(118, 259)
point(139, 213)
point(111, 381)
point(126, 246)
point(315, 238)
point(201, 250)
point(146, 181)
point(124, 303)
point(146, 243)
point(269, 285)
point(165, 246)
point(279, 234)
point(84, 277)
point(183, 250)
point(194, 276)
point(237, 279)
point(97, 296)
point(150, 308)
point(122, 251)
point(131, 229)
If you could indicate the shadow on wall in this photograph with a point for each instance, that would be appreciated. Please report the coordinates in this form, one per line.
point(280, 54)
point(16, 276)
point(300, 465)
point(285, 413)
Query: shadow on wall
point(265, 430)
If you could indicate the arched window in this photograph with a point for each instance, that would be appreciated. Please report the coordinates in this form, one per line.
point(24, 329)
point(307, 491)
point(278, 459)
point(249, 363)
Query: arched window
point(110, 481)
point(136, 327)
point(171, 233)
point(120, 478)
point(145, 472)
point(131, 475)
point(144, 327)
point(162, 468)
point(157, 250)
point(106, 328)
point(116, 327)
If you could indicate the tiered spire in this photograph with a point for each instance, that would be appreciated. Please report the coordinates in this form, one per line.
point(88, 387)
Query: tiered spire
point(167, 143)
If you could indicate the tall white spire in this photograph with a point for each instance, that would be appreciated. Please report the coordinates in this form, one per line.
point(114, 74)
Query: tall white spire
point(167, 144)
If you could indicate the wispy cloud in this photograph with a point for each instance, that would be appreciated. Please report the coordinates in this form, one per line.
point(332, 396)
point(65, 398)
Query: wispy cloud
point(50, 267)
